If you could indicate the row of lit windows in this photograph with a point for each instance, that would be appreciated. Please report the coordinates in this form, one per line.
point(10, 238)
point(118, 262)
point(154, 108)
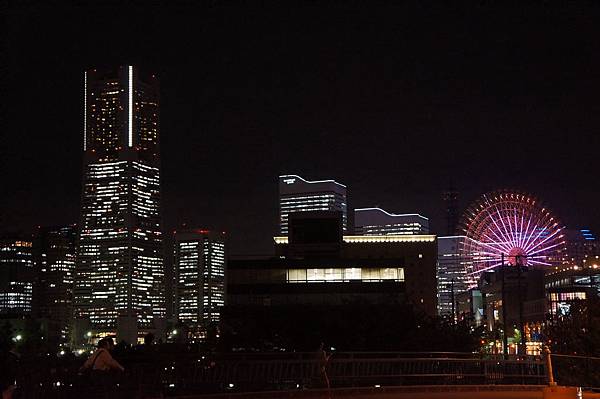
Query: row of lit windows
point(345, 274)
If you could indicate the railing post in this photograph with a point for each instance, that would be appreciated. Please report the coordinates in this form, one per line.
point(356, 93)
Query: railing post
point(548, 357)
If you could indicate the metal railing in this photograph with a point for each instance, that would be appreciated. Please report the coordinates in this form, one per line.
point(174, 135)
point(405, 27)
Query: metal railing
point(236, 372)
point(576, 370)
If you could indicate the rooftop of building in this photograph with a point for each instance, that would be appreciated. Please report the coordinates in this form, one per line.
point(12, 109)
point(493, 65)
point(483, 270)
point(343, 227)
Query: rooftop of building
point(376, 210)
point(352, 239)
point(291, 179)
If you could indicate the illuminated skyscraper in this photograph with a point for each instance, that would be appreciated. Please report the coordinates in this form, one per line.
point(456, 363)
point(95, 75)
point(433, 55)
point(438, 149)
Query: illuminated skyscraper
point(199, 263)
point(54, 254)
point(452, 272)
point(376, 221)
point(119, 275)
point(16, 277)
point(299, 195)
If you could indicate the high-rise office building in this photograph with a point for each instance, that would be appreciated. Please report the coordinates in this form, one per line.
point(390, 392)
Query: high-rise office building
point(199, 263)
point(54, 254)
point(299, 195)
point(376, 221)
point(450, 198)
point(453, 268)
point(119, 285)
point(16, 277)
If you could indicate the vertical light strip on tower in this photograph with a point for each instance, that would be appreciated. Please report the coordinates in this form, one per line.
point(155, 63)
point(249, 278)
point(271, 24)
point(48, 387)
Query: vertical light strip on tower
point(130, 117)
point(84, 110)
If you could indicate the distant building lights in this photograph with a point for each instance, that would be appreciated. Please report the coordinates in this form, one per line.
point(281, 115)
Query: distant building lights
point(281, 240)
point(388, 213)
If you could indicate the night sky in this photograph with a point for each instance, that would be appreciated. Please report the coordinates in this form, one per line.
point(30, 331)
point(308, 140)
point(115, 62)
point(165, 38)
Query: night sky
point(396, 103)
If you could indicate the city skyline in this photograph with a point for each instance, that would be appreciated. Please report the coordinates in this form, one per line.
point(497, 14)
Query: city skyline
point(397, 122)
point(206, 198)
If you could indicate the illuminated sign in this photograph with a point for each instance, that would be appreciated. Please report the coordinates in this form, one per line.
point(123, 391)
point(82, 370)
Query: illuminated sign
point(130, 116)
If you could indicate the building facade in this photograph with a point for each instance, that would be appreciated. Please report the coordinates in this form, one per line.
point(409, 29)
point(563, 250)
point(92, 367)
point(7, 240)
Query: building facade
point(16, 277)
point(317, 265)
point(299, 195)
point(583, 248)
point(119, 287)
point(376, 221)
point(453, 266)
point(55, 254)
point(514, 306)
point(571, 283)
point(200, 267)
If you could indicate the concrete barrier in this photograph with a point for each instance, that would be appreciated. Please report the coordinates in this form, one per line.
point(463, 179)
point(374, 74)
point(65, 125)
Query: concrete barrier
point(558, 392)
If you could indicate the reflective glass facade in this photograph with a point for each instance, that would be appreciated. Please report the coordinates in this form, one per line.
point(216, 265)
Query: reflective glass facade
point(120, 272)
point(299, 195)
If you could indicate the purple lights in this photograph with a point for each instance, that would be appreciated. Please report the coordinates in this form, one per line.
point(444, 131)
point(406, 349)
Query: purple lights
point(510, 227)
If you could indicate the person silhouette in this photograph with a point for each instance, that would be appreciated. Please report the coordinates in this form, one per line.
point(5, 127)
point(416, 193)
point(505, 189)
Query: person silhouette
point(323, 362)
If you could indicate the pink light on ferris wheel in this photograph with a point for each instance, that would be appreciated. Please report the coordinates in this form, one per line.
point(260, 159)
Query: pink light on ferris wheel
point(513, 227)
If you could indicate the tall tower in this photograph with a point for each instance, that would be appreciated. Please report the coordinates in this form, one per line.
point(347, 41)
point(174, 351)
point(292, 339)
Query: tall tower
point(119, 285)
point(299, 195)
point(199, 263)
point(450, 197)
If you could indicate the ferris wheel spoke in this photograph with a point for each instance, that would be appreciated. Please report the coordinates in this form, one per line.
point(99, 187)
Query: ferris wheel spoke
point(497, 227)
point(513, 235)
point(537, 262)
point(521, 228)
point(479, 271)
point(536, 256)
point(528, 235)
point(532, 247)
point(490, 247)
point(547, 248)
point(506, 235)
point(537, 236)
point(499, 243)
point(494, 259)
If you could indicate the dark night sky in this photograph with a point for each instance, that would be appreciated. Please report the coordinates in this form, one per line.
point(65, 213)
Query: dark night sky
point(393, 102)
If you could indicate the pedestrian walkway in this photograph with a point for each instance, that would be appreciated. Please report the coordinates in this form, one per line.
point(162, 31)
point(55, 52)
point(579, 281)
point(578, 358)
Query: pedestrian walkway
point(421, 392)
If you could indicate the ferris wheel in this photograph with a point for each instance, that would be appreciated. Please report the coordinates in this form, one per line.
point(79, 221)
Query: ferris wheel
point(511, 228)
